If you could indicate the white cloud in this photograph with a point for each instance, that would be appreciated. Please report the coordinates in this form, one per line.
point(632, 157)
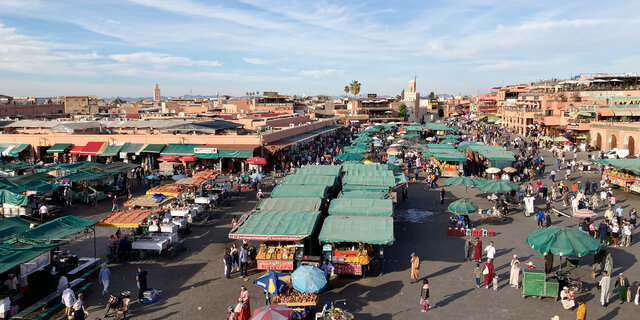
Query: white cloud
point(161, 60)
point(258, 61)
point(321, 73)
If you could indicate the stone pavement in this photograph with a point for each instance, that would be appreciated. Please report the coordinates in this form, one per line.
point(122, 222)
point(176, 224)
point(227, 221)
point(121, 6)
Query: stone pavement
point(194, 286)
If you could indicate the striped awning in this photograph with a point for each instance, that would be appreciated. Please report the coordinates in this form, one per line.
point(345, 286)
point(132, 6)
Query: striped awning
point(15, 150)
point(132, 148)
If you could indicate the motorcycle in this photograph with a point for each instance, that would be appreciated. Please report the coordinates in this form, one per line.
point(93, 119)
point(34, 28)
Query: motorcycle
point(565, 280)
point(115, 302)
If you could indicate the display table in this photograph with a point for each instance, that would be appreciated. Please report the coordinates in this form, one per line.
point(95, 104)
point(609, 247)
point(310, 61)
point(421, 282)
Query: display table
point(169, 227)
point(171, 237)
point(182, 213)
point(150, 243)
point(180, 222)
point(206, 200)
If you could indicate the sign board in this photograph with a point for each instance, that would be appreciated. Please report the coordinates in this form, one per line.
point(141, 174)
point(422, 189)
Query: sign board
point(35, 264)
point(123, 155)
point(352, 269)
point(205, 150)
point(327, 247)
point(372, 95)
point(275, 264)
point(31, 192)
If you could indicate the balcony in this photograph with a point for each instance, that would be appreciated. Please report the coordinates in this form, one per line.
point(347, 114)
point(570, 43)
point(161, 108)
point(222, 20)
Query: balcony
point(522, 109)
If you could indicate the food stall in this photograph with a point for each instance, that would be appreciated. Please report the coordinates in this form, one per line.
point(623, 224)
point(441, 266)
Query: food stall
point(622, 172)
point(286, 237)
point(293, 298)
point(449, 161)
point(619, 178)
point(349, 240)
point(535, 283)
point(150, 201)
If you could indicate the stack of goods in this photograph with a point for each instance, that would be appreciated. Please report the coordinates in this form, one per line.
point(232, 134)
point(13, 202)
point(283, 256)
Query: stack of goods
point(357, 257)
point(339, 314)
point(275, 253)
point(172, 190)
point(207, 174)
point(289, 295)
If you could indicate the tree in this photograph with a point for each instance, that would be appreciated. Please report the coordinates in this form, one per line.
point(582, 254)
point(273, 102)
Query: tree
point(346, 90)
point(354, 87)
point(402, 95)
point(246, 93)
point(402, 111)
point(432, 96)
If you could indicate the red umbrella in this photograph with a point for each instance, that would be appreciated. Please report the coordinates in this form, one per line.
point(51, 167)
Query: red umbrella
point(168, 158)
point(392, 151)
point(567, 142)
point(188, 158)
point(273, 312)
point(584, 213)
point(257, 160)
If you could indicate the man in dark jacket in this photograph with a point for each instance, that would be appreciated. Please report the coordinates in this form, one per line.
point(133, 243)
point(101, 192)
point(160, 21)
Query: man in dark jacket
point(603, 232)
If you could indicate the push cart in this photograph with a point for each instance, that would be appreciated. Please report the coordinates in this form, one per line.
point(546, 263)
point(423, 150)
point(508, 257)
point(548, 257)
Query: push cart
point(535, 283)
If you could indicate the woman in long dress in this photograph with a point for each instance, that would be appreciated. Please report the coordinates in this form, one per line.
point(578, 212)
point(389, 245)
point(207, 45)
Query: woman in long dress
point(514, 276)
point(477, 250)
point(415, 267)
point(488, 271)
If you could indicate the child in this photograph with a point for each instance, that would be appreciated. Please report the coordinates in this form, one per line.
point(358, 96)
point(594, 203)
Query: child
point(494, 282)
point(424, 295)
point(477, 273)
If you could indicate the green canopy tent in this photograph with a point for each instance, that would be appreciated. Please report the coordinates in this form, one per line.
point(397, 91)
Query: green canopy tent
point(465, 181)
point(320, 170)
point(364, 194)
point(13, 225)
point(16, 251)
point(370, 173)
point(360, 207)
point(296, 191)
point(369, 181)
point(311, 180)
point(632, 165)
point(59, 228)
point(362, 229)
point(563, 242)
point(277, 226)
point(411, 136)
point(290, 204)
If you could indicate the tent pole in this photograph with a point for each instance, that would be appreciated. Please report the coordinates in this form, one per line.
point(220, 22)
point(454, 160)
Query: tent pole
point(94, 243)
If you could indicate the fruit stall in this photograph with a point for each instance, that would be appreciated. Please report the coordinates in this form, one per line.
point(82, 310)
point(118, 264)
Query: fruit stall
point(286, 237)
point(349, 240)
point(293, 298)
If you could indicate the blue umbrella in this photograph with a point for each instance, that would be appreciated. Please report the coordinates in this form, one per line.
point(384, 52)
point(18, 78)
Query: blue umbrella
point(308, 279)
point(271, 282)
point(151, 177)
point(392, 158)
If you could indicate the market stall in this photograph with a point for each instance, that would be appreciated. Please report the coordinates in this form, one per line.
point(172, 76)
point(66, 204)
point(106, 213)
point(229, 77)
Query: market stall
point(349, 239)
point(361, 207)
point(286, 237)
point(449, 161)
point(150, 201)
point(290, 204)
point(297, 191)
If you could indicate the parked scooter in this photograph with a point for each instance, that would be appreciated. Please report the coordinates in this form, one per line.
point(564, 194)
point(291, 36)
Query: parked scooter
point(115, 302)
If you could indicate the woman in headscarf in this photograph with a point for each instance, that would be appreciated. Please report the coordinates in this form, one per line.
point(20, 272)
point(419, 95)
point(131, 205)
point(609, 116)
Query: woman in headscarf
point(488, 271)
point(514, 276)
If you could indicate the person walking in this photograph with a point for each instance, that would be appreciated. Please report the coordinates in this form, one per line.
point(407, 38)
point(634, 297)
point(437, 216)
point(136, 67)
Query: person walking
point(622, 283)
point(244, 261)
point(514, 275)
point(226, 260)
point(477, 250)
point(79, 310)
point(608, 262)
point(141, 281)
point(477, 273)
point(547, 219)
point(114, 206)
point(488, 272)
point(603, 231)
point(442, 192)
point(605, 287)
point(244, 296)
point(490, 250)
point(424, 295)
point(467, 250)
point(104, 276)
point(68, 299)
point(242, 311)
point(232, 315)
point(415, 267)
point(581, 313)
point(540, 219)
point(553, 176)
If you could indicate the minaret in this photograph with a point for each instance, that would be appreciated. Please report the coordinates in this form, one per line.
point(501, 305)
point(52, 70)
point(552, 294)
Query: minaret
point(156, 93)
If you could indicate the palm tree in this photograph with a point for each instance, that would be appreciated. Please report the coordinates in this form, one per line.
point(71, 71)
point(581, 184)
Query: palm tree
point(246, 93)
point(346, 90)
point(354, 87)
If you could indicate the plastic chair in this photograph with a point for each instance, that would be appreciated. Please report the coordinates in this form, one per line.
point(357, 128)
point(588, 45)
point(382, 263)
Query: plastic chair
point(320, 315)
point(468, 232)
point(484, 232)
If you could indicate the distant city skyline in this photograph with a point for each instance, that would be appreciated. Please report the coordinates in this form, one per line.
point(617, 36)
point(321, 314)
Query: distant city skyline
point(124, 47)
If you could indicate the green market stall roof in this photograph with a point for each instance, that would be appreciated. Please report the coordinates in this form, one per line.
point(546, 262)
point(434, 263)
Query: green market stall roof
point(364, 194)
point(361, 207)
point(346, 167)
point(87, 175)
point(14, 166)
point(311, 180)
point(290, 204)
point(13, 225)
point(632, 165)
point(17, 199)
point(112, 150)
point(71, 167)
point(346, 188)
point(153, 148)
point(59, 228)
point(179, 150)
point(132, 148)
point(17, 250)
point(320, 170)
point(370, 173)
point(447, 155)
point(59, 148)
point(372, 230)
point(277, 226)
point(115, 167)
point(369, 181)
point(15, 149)
point(297, 191)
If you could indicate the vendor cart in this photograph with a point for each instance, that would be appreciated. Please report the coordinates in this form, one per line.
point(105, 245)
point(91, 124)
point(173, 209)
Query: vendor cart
point(535, 283)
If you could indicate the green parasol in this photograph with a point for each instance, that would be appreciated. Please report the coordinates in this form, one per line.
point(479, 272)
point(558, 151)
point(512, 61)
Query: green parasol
point(465, 181)
point(463, 206)
point(498, 186)
point(563, 242)
point(349, 157)
point(394, 167)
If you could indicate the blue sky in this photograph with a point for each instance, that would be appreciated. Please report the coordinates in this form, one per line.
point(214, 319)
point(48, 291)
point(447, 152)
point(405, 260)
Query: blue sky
point(123, 47)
